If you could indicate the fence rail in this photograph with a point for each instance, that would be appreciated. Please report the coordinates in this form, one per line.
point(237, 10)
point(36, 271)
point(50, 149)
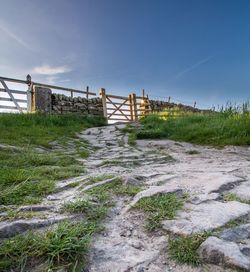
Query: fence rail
point(14, 101)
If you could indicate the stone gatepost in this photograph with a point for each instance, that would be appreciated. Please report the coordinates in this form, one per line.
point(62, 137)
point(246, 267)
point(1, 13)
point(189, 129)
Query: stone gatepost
point(41, 99)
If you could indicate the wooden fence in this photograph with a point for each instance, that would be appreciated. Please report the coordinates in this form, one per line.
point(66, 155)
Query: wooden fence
point(27, 97)
point(124, 108)
point(115, 107)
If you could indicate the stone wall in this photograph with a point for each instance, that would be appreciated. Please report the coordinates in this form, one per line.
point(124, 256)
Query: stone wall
point(65, 104)
point(157, 106)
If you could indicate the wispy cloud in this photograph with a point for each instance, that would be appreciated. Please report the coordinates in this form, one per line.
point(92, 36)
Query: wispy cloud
point(49, 70)
point(15, 37)
point(192, 67)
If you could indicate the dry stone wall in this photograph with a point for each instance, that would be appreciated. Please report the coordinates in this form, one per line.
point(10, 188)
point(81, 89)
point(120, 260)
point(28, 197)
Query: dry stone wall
point(157, 106)
point(65, 104)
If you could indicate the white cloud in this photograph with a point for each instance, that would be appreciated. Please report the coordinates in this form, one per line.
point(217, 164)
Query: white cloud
point(15, 37)
point(49, 70)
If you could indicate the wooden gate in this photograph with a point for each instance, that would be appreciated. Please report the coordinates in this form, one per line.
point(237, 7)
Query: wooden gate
point(10, 96)
point(122, 108)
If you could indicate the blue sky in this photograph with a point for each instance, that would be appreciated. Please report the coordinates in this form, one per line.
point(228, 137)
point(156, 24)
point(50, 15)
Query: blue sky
point(189, 50)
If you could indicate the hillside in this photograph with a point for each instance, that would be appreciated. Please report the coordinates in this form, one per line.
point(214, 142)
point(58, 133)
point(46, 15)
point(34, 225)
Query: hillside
point(75, 196)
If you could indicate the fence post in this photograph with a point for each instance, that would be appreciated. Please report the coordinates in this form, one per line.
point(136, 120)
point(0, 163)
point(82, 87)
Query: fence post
point(87, 97)
point(30, 94)
point(131, 107)
point(134, 107)
point(104, 102)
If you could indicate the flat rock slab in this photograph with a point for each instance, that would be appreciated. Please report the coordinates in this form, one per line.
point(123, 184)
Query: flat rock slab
point(205, 216)
point(218, 251)
point(125, 256)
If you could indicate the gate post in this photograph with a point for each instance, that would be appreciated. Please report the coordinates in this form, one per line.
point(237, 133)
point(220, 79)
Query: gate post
point(104, 102)
point(130, 101)
point(134, 107)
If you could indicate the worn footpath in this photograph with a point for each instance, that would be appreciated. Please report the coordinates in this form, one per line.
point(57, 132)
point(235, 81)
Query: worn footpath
point(206, 175)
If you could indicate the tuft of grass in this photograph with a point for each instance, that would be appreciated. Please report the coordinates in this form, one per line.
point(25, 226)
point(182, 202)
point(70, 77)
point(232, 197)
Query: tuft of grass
point(83, 153)
point(77, 206)
point(184, 249)
point(65, 246)
point(158, 208)
point(214, 128)
point(234, 197)
point(193, 152)
point(132, 138)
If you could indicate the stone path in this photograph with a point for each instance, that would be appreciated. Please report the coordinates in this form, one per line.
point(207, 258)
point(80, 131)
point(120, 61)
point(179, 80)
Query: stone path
point(206, 175)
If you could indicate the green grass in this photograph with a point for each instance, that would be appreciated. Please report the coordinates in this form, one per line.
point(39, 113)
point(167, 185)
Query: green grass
point(77, 206)
point(132, 139)
point(26, 176)
point(184, 249)
point(40, 129)
point(218, 129)
point(159, 208)
point(65, 246)
point(234, 197)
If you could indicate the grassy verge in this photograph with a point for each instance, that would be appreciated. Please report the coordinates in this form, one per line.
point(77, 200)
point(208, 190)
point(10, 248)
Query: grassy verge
point(220, 129)
point(158, 208)
point(40, 129)
point(27, 175)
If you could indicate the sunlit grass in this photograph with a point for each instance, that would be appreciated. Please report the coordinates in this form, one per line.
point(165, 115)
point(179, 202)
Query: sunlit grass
point(215, 128)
